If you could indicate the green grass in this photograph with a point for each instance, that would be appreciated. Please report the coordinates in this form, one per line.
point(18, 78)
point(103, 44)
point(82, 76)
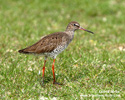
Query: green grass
point(90, 65)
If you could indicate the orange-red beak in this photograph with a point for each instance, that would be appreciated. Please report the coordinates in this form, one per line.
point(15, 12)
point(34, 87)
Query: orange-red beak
point(85, 30)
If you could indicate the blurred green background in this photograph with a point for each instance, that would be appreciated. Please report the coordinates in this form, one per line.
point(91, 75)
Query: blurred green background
point(90, 64)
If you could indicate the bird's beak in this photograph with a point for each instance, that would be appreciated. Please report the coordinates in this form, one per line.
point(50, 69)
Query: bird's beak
point(85, 30)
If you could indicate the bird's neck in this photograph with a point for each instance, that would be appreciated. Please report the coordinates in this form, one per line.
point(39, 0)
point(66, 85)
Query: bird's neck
point(70, 33)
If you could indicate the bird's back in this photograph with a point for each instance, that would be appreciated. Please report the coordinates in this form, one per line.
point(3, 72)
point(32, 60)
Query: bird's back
point(48, 43)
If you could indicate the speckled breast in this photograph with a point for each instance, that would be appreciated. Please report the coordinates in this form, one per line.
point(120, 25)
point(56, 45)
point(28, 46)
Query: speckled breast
point(56, 51)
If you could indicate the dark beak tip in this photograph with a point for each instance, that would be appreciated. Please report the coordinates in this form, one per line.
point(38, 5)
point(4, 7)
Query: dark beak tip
point(93, 33)
point(86, 30)
point(90, 32)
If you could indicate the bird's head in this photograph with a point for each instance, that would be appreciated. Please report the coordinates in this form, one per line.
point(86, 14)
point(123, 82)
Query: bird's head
point(72, 26)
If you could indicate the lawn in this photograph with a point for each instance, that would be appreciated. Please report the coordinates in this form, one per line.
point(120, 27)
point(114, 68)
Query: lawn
point(92, 67)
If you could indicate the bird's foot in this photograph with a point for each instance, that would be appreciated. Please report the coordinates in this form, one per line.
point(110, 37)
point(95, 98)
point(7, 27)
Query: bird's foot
point(56, 83)
point(42, 83)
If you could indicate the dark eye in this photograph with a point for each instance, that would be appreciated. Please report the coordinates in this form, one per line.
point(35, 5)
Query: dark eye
point(75, 25)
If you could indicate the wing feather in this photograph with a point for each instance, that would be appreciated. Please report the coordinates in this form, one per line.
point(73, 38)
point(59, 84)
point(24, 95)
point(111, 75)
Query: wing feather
point(47, 43)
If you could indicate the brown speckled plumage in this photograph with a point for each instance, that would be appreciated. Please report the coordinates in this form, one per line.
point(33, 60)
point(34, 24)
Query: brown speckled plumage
point(56, 41)
point(53, 44)
point(47, 43)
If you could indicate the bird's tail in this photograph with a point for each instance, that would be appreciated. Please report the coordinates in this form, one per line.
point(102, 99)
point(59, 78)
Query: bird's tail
point(23, 51)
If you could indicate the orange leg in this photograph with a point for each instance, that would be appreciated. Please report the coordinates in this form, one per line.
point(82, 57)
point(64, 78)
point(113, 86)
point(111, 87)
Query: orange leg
point(53, 72)
point(44, 70)
point(54, 82)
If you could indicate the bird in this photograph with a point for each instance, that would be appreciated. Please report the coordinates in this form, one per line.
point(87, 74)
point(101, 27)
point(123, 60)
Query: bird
point(53, 44)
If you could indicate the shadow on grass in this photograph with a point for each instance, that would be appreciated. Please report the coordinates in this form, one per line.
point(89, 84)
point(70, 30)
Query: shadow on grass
point(46, 80)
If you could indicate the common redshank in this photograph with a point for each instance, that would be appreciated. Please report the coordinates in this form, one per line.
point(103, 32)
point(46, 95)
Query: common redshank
point(53, 44)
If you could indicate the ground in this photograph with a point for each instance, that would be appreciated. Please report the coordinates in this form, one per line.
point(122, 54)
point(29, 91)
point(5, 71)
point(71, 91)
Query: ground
point(92, 67)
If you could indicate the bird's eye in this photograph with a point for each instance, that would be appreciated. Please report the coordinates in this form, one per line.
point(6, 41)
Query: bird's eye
point(75, 25)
